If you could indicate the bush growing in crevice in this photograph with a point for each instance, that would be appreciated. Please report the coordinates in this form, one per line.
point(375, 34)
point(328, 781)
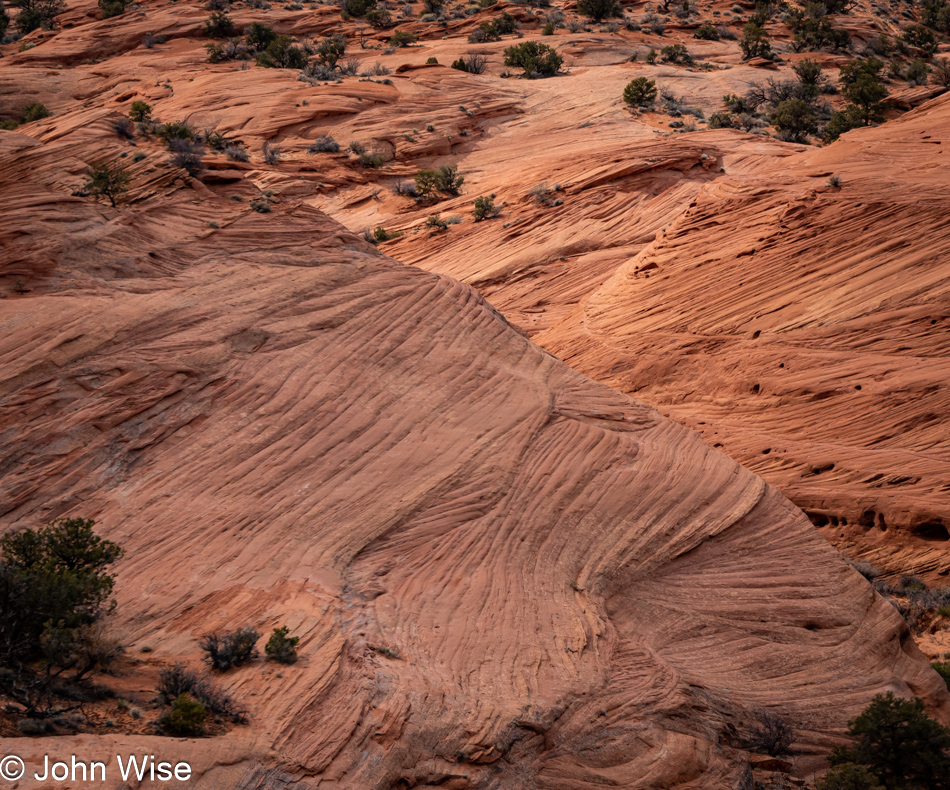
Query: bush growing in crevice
point(233, 649)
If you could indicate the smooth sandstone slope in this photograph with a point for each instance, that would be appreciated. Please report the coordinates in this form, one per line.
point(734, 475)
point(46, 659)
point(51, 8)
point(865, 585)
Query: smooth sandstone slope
point(503, 573)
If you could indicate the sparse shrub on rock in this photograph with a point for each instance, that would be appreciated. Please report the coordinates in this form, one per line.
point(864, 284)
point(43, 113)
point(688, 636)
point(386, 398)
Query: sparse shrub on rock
point(108, 181)
point(186, 718)
point(331, 49)
point(225, 651)
point(849, 776)
point(770, 733)
point(485, 208)
point(259, 36)
point(36, 14)
point(140, 112)
point(111, 8)
point(34, 112)
point(280, 647)
point(324, 144)
point(675, 53)
point(219, 25)
point(402, 38)
point(707, 32)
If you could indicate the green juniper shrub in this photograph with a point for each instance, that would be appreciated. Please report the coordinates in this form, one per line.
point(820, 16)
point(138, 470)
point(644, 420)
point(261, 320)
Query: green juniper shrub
point(280, 647)
point(402, 38)
point(379, 18)
point(864, 87)
point(282, 54)
point(721, 120)
point(485, 208)
point(754, 42)
point(436, 223)
point(219, 25)
point(651, 56)
point(356, 8)
point(707, 32)
point(34, 112)
point(175, 130)
point(675, 53)
point(848, 776)
point(640, 92)
point(107, 180)
point(55, 587)
point(186, 718)
point(599, 9)
point(224, 651)
point(111, 8)
point(917, 71)
point(900, 744)
point(794, 120)
point(448, 181)
point(371, 160)
point(547, 29)
point(331, 49)
point(140, 112)
point(37, 14)
point(433, 61)
point(535, 60)
point(178, 679)
point(259, 36)
point(841, 121)
point(922, 38)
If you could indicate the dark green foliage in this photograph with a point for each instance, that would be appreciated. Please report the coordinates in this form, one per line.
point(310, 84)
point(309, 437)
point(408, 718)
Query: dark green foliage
point(707, 32)
point(754, 42)
point(111, 8)
point(356, 8)
point(107, 180)
point(900, 744)
point(219, 25)
point(810, 77)
point(721, 120)
point(473, 63)
point(943, 669)
point(599, 9)
point(35, 111)
point(437, 224)
point(140, 112)
point(280, 647)
point(37, 13)
point(371, 160)
point(864, 87)
point(175, 130)
point(841, 121)
point(936, 14)
point(493, 31)
point(675, 53)
point(259, 36)
point(4, 21)
point(921, 38)
point(484, 208)
point(433, 61)
point(446, 180)
point(379, 18)
point(331, 49)
point(536, 60)
point(402, 38)
point(179, 680)
point(54, 584)
point(794, 120)
point(186, 718)
point(848, 776)
point(224, 651)
point(816, 34)
point(917, 71)
point(639, 92)
point(433, 6)
point(651, 56)
point(282, 54)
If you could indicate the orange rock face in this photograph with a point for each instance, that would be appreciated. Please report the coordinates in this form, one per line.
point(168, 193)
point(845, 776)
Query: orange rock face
point(503, 573)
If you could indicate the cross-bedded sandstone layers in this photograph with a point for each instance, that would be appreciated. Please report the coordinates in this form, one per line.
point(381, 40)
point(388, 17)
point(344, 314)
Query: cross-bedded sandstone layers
point(504, 574)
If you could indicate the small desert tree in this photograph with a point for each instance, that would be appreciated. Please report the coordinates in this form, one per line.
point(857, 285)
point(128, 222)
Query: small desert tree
point(794, 120)
point(108, 180)
point(900, 744)
point(140, 112)
point(754, 42)
point(37, 13)
point(640, 92)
